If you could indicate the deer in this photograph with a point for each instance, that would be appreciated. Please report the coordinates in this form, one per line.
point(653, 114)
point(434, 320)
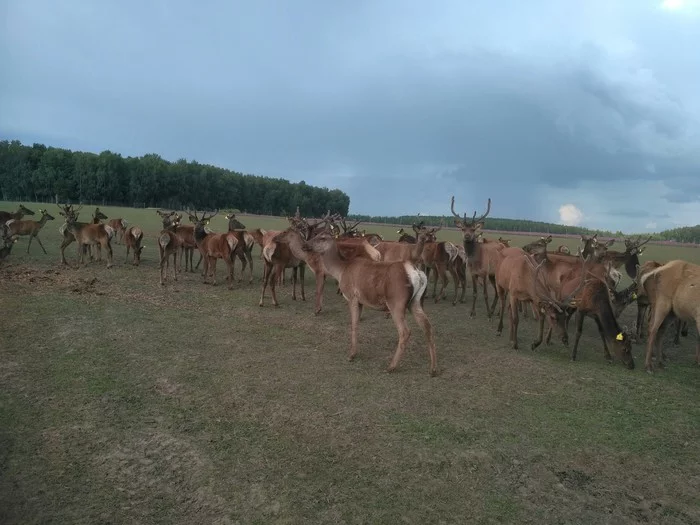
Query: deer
point(504, 242)
point(244, 248)
point(595, 300)
point(68, 237)
point(119, 226)
point(405, 237)
point(673, 291)
point(17, 215)
point(169, 244)
point(483, 258)
point(523, 277)
point(132, 238)
point(436, 255)
point(31, 228)
point(630, 257)
point(563, 249)
point(276, 257)
point(214, 246)
point(85, 234)
point(385, 286)
point(294, 237)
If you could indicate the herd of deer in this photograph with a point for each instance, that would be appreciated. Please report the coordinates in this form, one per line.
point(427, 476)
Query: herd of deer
point(393, 276)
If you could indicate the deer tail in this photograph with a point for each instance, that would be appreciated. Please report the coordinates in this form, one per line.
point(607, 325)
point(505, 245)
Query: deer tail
point(164, 240)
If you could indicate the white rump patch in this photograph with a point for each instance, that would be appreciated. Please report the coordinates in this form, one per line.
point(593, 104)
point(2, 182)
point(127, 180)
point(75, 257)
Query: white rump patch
point(109, 230)
point(9, 222)
point(417, 279)
point(249, 240)
point(124, 223)
point(232, 242)
point(164, 240)
point(451, 250)
point(373, 253)
point(615, 276)
point(62, 228)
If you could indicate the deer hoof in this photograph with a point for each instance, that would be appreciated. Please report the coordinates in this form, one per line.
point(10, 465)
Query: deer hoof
point(433, 372)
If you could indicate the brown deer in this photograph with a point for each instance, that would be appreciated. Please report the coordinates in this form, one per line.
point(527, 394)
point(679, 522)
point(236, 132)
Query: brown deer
point(68, 237)
point(525, 278)
point(673, 292)
point(132, 238)
point(436, 255)
point(245, 243)
point(214, 246)
point(294, 238)
point(595, 300)
point(85, 235)
point(563, 249)
point(169, 244)
point(21, 212)
point(385, 286)
point(119, 226)
point(629, 258)
point(31, 228)
point(483, 257)
point(277, 257)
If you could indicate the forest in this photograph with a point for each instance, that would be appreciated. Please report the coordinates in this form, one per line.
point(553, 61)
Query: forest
point(45, 174)
point(38, 173)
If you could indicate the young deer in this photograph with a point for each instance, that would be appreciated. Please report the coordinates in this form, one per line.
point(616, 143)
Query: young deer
point(392, 286)
point(21, 212)
point(31, 228)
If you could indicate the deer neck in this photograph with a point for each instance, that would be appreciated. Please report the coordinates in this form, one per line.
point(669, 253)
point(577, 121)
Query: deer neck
point(333, 263)
point(199, 233)
point(417, 250)
point(473, 248)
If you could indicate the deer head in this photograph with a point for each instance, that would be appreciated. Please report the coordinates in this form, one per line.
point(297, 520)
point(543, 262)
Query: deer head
point(470, 228)
point(538, 248)
point(25, 210)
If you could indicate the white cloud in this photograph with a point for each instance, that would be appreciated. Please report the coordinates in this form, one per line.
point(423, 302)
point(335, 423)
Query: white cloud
point(672, 5)
point(570, 215)
point(650, 225)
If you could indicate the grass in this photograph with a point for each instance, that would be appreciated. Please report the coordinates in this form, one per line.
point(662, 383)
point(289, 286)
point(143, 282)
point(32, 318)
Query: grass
point(122, 401)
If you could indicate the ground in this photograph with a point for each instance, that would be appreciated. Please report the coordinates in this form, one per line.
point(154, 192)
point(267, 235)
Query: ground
point(124, 401)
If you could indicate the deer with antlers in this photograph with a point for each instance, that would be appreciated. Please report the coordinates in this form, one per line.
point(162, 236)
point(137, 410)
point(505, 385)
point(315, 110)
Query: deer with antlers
point(214, 246)
point(294, 238)
point(385, 286)
point(629, 258)
point(68, 237)
point(483, 257)
point(31, 228)
point(673, 293)
point(85, 235)
point(17, 215)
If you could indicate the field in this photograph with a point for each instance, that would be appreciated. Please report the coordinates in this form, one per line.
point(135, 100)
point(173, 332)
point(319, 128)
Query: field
point(124, 401)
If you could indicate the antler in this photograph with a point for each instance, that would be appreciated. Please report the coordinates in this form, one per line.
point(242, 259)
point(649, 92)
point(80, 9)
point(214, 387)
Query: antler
point(459, 222)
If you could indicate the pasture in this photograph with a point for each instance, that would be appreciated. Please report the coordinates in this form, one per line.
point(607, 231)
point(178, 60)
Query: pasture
point(124, 401)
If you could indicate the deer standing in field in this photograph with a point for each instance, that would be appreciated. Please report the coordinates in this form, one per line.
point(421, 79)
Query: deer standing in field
point(673, 292)
point(132, 239)
point(31, 228)
point(17, 215)
point(214, 246)
point(294, 237)
point(385, 286)
point(85, 235)
point(245, 243)
point(119, 226)
point(629, 258)
point(169, 244)
point(68, 237)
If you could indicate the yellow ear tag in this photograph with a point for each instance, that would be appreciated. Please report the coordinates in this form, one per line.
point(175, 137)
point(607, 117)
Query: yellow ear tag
point(619, 336)
point(634, 296)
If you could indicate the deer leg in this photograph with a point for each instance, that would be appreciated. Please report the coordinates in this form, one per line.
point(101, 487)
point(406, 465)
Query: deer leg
point(577, 337)
point(267, 270)
point(163, 262)
point(677, 334)
point(684, 327)
point(492, 280)
point(110, 254)
point(502, 296)
point(455, 279)
point(29, 243)
point(425, 324)
point(606, 350)
point(514, 321)
point(126, 259)
point(474, 283)
point(302, 278)
point(399, 316)
point(354, 321)
point(640, 321)
point(249, 256)
point(244, 263)
point(658, 316)
point(229, 269)
point(486, 296)
point(212, 269)
point(44, 249)
point(697, 343)
point(540, 332)
point(441, 273)
point(320, 284)
point(177, 263)
point(278, 268)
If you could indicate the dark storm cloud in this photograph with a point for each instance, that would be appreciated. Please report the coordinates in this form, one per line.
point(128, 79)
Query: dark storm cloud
point(398, 104)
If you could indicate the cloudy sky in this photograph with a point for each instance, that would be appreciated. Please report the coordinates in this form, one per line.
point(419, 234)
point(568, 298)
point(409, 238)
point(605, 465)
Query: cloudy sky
point(581, 112)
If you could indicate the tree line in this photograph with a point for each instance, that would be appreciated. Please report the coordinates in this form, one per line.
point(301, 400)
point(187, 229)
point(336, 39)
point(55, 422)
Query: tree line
point(46, 174)
point(684, 234)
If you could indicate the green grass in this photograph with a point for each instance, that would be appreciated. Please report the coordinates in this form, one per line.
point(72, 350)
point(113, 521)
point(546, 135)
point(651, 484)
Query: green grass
point(122, 401)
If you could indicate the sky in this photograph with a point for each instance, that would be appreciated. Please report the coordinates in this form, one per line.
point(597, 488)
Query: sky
point(579, 113)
